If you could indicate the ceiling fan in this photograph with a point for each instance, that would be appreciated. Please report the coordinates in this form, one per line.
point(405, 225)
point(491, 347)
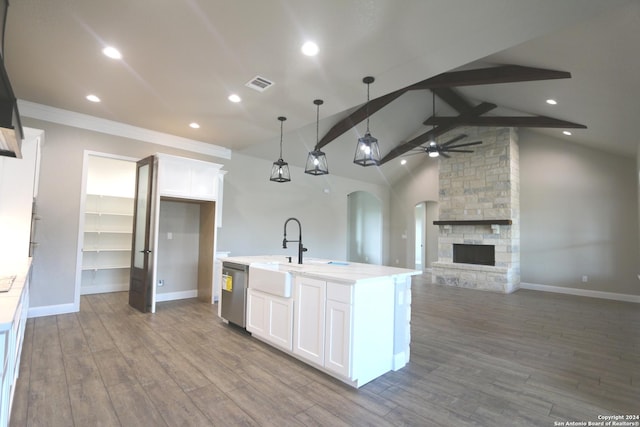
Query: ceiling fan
point(433, 149)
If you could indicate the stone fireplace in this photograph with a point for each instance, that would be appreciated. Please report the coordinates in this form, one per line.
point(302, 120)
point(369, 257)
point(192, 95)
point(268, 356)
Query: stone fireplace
point(479, 217)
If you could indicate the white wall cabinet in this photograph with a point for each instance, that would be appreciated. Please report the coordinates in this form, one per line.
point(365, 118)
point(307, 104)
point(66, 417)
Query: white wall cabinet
point(188, 178)
point(309, 327)
point(270, 317)
point(106, 252)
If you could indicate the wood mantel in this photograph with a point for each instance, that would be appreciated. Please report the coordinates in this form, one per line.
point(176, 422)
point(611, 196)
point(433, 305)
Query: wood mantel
point(474, 222)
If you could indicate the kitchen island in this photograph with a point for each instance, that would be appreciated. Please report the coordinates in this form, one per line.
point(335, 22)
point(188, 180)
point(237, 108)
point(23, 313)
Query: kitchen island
point(349, 320)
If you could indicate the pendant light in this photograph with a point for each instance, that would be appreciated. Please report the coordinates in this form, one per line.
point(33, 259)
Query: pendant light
point(367, 150)
point(317, 160)
point(280, 168)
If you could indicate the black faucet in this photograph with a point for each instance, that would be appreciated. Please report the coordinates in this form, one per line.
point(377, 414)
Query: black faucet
point(300, 247)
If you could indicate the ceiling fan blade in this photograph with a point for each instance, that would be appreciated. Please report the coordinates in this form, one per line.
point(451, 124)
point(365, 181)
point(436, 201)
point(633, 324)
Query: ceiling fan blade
point(456, 139)
point(466, 144)
point(458, 151)
point(413, 154)
point(445, 155)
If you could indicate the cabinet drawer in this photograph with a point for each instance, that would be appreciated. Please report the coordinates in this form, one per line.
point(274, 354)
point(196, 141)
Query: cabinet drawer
point(340, 293)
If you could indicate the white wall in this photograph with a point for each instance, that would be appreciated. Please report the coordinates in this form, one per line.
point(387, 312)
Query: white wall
point(421, 184)
point(178, 251)
point(111, 177)
point(58, 204)
point(579, 210)
point(364, 228)
point(254, 209)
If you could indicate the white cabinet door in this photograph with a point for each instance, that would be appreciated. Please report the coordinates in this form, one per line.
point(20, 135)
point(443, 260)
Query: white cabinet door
point(308, 339)
point(280, 322)
point(188, 178)
point(270, 318)
point(337, 354)
point(257, 308)
point(174, 177)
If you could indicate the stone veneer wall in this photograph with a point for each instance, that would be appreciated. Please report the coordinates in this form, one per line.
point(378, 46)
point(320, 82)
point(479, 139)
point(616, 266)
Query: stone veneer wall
point(480, 186)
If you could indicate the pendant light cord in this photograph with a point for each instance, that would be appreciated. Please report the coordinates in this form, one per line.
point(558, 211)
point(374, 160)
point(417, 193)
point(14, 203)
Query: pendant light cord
point(317, 126)
point(281, 124)
point(368, 107)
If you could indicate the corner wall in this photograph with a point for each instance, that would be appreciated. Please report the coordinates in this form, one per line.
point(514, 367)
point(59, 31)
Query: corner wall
point(579, 216)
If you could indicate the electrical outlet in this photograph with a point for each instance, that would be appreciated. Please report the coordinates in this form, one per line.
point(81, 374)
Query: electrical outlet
point(585, 279)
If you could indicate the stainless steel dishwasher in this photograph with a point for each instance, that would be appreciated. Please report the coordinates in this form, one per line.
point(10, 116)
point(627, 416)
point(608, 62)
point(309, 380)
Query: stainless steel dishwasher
point(234, 292)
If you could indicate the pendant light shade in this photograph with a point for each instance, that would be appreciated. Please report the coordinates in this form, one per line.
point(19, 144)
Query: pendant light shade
point(280, 168)
point(317, 160)
point(367, 150)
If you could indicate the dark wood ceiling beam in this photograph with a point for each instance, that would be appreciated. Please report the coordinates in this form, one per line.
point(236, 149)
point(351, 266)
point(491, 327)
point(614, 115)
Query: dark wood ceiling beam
point(434, 133)
point(454, 100)
point(359, 115)
point(506, 121)
point(492, 75)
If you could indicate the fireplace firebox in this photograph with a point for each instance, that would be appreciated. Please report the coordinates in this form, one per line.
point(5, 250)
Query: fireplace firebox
point(474, 254)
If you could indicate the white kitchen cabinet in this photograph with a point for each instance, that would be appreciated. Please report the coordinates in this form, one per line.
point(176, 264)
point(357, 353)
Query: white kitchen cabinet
point(270, 318)
point(18, 187)
point(309, 325)
point(345, 329)
point(338, 335)
point(106, 252)
point(14, 306)
point(187, 178)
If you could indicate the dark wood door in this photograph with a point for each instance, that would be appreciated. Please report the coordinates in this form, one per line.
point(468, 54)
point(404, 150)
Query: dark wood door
point(140, 290)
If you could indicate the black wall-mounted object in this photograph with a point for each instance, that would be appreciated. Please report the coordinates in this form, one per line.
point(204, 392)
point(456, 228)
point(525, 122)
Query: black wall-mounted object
point(11, 133)
point(474, 254)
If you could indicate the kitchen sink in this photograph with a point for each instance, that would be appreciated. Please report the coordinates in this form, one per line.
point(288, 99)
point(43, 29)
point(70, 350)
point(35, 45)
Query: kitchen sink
point(272, 278)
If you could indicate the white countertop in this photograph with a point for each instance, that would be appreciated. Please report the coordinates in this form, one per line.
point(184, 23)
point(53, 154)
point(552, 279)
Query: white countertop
point(9, 300)
point(333, 270)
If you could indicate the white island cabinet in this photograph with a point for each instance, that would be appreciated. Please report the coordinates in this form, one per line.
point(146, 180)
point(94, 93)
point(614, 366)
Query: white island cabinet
point(349, 320)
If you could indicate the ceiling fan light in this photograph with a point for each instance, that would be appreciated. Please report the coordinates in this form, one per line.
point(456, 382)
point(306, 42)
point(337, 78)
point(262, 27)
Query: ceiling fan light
point(433, 154)
point(367, 151)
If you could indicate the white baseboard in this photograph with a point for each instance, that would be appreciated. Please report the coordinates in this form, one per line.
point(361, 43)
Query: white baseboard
point(103, 289)
point(170, 296)
point(52, 310)
point(581, 292)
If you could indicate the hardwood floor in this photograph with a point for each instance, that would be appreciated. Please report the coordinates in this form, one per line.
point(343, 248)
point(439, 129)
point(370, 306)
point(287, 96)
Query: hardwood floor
point(477, 358)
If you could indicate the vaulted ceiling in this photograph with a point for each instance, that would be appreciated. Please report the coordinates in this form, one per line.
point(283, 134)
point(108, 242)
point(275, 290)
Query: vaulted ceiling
point(182, 59)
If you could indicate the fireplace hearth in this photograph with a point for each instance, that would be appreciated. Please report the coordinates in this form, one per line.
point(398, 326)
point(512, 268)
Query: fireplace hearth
point(474, 254)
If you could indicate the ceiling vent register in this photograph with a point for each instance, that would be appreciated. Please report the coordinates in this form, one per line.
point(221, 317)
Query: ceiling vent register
point(259, 83)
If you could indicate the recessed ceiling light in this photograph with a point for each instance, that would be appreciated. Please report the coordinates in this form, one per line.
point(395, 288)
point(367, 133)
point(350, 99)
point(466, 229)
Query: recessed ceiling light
point(194, 125)
point(403, 161)
point(310, 48)
point(93, 98)
point(234, 98)
point(552, 101)
point(566, 132)
point(112, 52)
